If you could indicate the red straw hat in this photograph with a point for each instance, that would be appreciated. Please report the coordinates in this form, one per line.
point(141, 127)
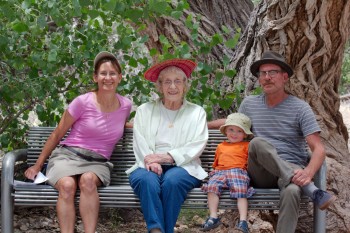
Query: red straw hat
point(186, 65)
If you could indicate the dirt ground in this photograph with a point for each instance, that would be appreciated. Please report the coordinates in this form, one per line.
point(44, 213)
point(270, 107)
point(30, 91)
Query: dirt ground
point(44, 219)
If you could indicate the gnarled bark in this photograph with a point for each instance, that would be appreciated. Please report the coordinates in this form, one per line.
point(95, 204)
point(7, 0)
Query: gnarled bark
point(311, 34)
point(214, 14)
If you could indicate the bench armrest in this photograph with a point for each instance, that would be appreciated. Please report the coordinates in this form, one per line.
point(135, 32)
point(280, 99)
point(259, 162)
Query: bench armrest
point(8, 170)
point(320, 178)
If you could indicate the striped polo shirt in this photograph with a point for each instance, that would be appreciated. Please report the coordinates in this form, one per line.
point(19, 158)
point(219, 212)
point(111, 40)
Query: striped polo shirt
point(285, 126)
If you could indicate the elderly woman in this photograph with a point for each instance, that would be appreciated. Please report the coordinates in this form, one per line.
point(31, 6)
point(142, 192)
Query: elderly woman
point(170, 134)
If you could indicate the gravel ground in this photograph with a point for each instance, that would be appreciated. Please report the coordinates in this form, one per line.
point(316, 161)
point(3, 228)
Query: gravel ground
point(44, 220)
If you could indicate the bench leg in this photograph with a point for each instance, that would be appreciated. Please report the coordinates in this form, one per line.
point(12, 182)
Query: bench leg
point(319, 215)
point(319, 220)
point(7, 174)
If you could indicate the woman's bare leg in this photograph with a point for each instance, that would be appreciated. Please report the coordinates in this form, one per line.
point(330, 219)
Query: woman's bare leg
point(67, 187)
point(89, 201)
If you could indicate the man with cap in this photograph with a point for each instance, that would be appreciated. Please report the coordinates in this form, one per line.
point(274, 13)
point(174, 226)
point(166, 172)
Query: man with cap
point(170, 134)
point(284, 126)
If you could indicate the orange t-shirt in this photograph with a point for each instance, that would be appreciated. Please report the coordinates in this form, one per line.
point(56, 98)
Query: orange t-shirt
point(231, 155)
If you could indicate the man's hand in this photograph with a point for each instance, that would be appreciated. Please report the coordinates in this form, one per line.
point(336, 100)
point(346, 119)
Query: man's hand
point(301, 177)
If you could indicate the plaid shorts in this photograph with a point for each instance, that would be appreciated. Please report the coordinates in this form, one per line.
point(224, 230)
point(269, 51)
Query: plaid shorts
point(235, 179)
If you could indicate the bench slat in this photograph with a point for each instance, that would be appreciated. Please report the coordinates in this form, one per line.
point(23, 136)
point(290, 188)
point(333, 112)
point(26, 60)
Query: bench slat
point(119, 193)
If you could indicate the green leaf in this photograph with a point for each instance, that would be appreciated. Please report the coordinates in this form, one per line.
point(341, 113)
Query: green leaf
point(226, 60)
point(93, 13)
point(153, 52)
point(231, 43)
point(158, 6)
point(144, 39)
point(20, 27)
point(39, 108)
point(216, 39)
point(109, 5)
point(52, 56)
point(176, 14)
point(205, 50)
point(76, 8)
point(225, 103)
point(41, 21)
point(132, 62)
point(26, 4)
point(219, 75)
point(230, 73)
point(134, 14)
point(225, 29)
point(188, 21)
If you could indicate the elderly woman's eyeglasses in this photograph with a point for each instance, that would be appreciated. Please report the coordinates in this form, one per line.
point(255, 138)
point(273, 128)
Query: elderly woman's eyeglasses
point(270, 73)
point(177, 82)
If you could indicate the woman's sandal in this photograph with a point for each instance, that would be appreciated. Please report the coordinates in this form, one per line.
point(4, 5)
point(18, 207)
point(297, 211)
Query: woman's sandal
point(210, 223)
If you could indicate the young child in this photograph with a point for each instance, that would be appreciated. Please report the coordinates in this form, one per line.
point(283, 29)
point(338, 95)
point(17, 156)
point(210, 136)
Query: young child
point(230, 171)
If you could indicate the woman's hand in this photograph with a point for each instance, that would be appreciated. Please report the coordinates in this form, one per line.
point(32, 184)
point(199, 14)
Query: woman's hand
point(158, 158)
point(32, 171)
point(153, 158)
point(154, 167)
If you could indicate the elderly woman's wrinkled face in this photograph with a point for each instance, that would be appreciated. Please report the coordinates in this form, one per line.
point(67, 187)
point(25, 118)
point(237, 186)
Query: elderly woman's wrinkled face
point(172, 84)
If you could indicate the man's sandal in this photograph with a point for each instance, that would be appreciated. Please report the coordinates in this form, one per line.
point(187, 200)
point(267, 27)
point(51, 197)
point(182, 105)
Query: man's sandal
point(210, 223)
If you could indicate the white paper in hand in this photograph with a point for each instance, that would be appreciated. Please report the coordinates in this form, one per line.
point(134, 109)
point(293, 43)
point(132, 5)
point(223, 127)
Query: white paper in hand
point(40, 178)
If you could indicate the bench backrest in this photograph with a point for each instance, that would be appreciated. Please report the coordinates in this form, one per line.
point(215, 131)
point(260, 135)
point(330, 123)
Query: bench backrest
point(123, 156)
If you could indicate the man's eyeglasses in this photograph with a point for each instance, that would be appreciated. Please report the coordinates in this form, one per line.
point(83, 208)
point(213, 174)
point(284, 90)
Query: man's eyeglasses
point(177, 82)
point(270, 73)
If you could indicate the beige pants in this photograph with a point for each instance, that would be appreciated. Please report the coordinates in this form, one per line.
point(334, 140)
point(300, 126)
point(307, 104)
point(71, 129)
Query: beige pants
point(267, 170)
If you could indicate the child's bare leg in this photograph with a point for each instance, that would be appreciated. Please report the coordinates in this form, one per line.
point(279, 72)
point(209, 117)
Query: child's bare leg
point(213, 203)
point(242, 204)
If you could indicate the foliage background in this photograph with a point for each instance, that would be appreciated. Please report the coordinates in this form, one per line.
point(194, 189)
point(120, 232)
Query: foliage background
point(47, 50)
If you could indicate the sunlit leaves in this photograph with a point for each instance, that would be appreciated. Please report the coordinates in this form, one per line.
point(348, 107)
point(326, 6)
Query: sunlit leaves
point(158, 6)
point(19, 26)
point(47, 49)
point(109, 5)
point(176, 14)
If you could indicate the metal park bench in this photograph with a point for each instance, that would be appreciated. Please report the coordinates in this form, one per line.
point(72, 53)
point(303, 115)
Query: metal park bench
point(119, 194)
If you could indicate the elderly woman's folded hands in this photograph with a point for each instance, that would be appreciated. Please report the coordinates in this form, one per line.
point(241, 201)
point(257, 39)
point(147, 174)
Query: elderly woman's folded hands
point(159, 158)
point(154, 162)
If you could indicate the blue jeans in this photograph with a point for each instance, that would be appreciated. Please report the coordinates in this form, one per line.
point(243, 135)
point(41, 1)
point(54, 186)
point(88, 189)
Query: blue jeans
point(161, 196)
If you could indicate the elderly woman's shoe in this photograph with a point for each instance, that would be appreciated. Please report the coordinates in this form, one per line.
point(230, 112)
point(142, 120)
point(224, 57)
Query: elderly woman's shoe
point(156, 230)
point(210, 223)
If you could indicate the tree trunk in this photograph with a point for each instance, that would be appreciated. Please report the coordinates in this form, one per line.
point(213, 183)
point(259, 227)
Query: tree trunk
point(231, 13)
point(312, 36)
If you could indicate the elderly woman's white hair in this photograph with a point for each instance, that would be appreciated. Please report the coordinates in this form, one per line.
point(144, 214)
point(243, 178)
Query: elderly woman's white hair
point(174, 70)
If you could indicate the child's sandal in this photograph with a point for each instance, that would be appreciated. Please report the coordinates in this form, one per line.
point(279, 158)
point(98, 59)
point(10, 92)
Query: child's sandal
point(210, 223)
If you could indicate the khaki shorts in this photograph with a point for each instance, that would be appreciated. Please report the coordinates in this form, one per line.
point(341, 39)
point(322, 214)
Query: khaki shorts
point(63, 163)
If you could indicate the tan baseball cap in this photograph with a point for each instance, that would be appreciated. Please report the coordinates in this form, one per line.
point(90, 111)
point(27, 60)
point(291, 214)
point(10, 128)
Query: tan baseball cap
point(105, 54)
